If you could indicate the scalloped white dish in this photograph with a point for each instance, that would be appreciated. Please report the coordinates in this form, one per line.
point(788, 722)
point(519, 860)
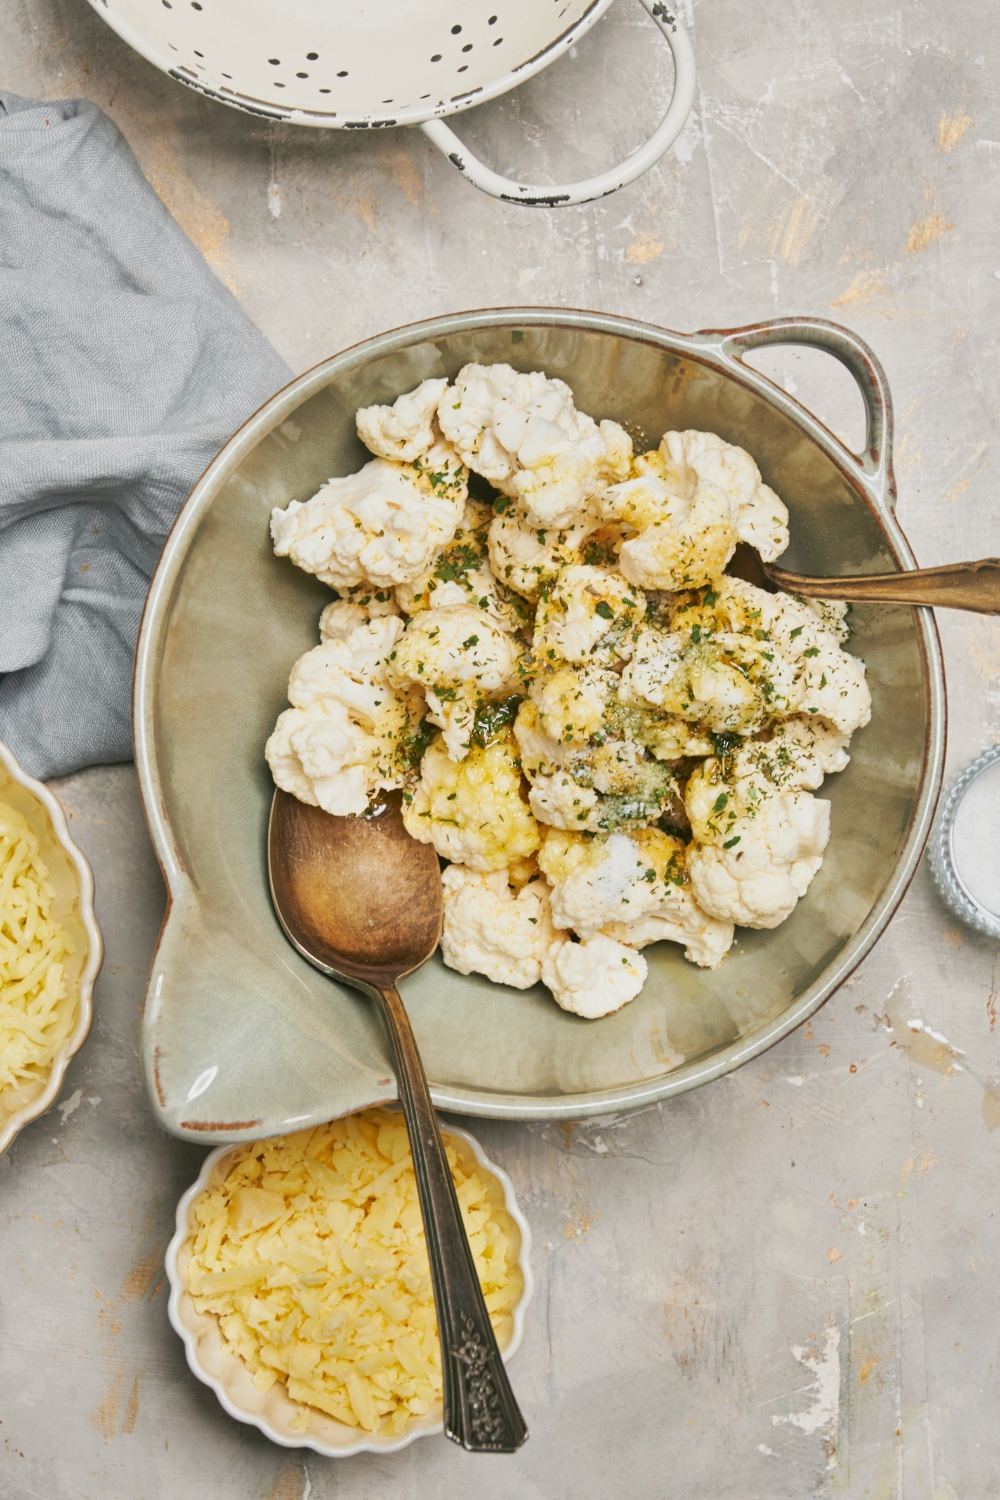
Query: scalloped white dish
point(273, 1410)
point(73, 883)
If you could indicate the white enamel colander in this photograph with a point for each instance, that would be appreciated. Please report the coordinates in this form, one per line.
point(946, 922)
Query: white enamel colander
point(371, 64)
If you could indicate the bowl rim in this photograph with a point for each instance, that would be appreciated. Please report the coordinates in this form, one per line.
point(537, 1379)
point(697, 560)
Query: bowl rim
point(88, 974)
point(368, 1442)
point(870, 475)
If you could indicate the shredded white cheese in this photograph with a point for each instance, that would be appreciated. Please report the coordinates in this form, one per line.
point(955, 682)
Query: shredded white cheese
point(34, 1018)
point(311, 1254)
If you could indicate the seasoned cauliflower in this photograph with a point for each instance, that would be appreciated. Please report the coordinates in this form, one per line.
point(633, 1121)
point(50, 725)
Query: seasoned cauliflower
point(722, 681)
point(462, 661)
point(758, 838)
point(346, 734)
point(356, 607)
point(488, 929)
point(406, 429)
point(380, 526)
point(526, 557)
point(605, 879)
point(629, 739)
point(460, 574)
point(803, 669)
point(587, 614)
point(595, 977)
point(681, 541)
point(587, 769)
point(694, 458)
point(472, 811)
point(524, 434)
point(676, 917)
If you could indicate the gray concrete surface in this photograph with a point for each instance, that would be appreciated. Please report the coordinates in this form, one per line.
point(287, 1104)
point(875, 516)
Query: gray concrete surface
point(783, 1284)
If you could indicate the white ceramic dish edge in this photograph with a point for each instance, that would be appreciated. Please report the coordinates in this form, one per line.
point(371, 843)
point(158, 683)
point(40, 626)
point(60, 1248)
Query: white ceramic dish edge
point(43, 1101)
point(368, 1442)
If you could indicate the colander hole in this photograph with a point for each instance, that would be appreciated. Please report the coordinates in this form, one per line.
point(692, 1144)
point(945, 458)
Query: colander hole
point(168, 5)
point(342, 75)
point(498, 41)
point(436, 57)
point(455, 30)
point(386, 101)
point(312, 57)
point(467, 47)
point(274, 61)
point(195, 5)
point(229, 76)
point(464, 68)
point(492, 21)
point(324, 91)
point(302, 75)
point(279, 85)
point(197, 53)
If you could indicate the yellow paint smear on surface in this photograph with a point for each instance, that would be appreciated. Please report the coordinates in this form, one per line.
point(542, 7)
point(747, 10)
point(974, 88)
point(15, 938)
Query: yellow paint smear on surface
point(951, 130)
point(906, 1169)
point(927, 231)
point(865, 287)
point(833, 1255)
point(865, 1368)
point(643, 250)
point(139, 1280)
point(991, 1109)
point(105, 1415)
point(131, 1408)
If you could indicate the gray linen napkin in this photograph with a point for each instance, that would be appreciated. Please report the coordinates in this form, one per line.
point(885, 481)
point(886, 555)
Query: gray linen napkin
point(124, 367)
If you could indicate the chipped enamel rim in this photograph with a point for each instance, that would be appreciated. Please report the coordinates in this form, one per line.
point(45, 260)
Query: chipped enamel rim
point(50, 810)
point(428, 1426)
point(430, 116)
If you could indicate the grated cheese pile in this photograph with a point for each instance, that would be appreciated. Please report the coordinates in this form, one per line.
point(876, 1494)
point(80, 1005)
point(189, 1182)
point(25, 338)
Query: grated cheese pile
point(311, 1254)
point(34, 1020)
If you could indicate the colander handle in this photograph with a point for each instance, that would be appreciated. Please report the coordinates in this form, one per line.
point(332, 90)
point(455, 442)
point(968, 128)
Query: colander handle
point(875, 461)
point(632, 167)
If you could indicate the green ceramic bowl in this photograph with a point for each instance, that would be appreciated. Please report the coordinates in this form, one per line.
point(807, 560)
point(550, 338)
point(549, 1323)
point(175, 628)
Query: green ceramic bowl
point(240, 1036)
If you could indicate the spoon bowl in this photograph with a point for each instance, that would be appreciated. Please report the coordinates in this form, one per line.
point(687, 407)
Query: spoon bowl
point(356, 896)
point(361, 900)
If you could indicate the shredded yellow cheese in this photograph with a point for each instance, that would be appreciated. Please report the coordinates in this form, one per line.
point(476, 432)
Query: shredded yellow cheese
point(311, 1254)
point(34, 1018)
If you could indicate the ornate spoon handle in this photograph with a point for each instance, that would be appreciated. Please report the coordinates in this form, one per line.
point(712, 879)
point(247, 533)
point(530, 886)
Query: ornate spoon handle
point(969, 585)
point(480, 1411)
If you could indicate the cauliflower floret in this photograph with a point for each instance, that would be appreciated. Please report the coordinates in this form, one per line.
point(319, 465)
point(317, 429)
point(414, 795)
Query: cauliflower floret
point(759, 839)
point(379, 526)
point(803, 669)
point(346, 734)
point(405, 430)
point(726, 682)
point(524, 434)
point(488, 930)
point(677, 917)
point(587, 614)
point(700, 457)
point(587, 769)
point(595, 977)
point(683, 541)
point(604, 879)
point(462, 661)
point(473, 811)
point(460, 574)
point(525, 557)
point(355, 608)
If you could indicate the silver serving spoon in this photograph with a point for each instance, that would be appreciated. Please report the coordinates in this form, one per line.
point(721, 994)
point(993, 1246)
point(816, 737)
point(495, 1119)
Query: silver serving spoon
point(361, 900)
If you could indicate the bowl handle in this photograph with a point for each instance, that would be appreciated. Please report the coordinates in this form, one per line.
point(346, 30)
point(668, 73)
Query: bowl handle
point(875, 462)
point(632, 167)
